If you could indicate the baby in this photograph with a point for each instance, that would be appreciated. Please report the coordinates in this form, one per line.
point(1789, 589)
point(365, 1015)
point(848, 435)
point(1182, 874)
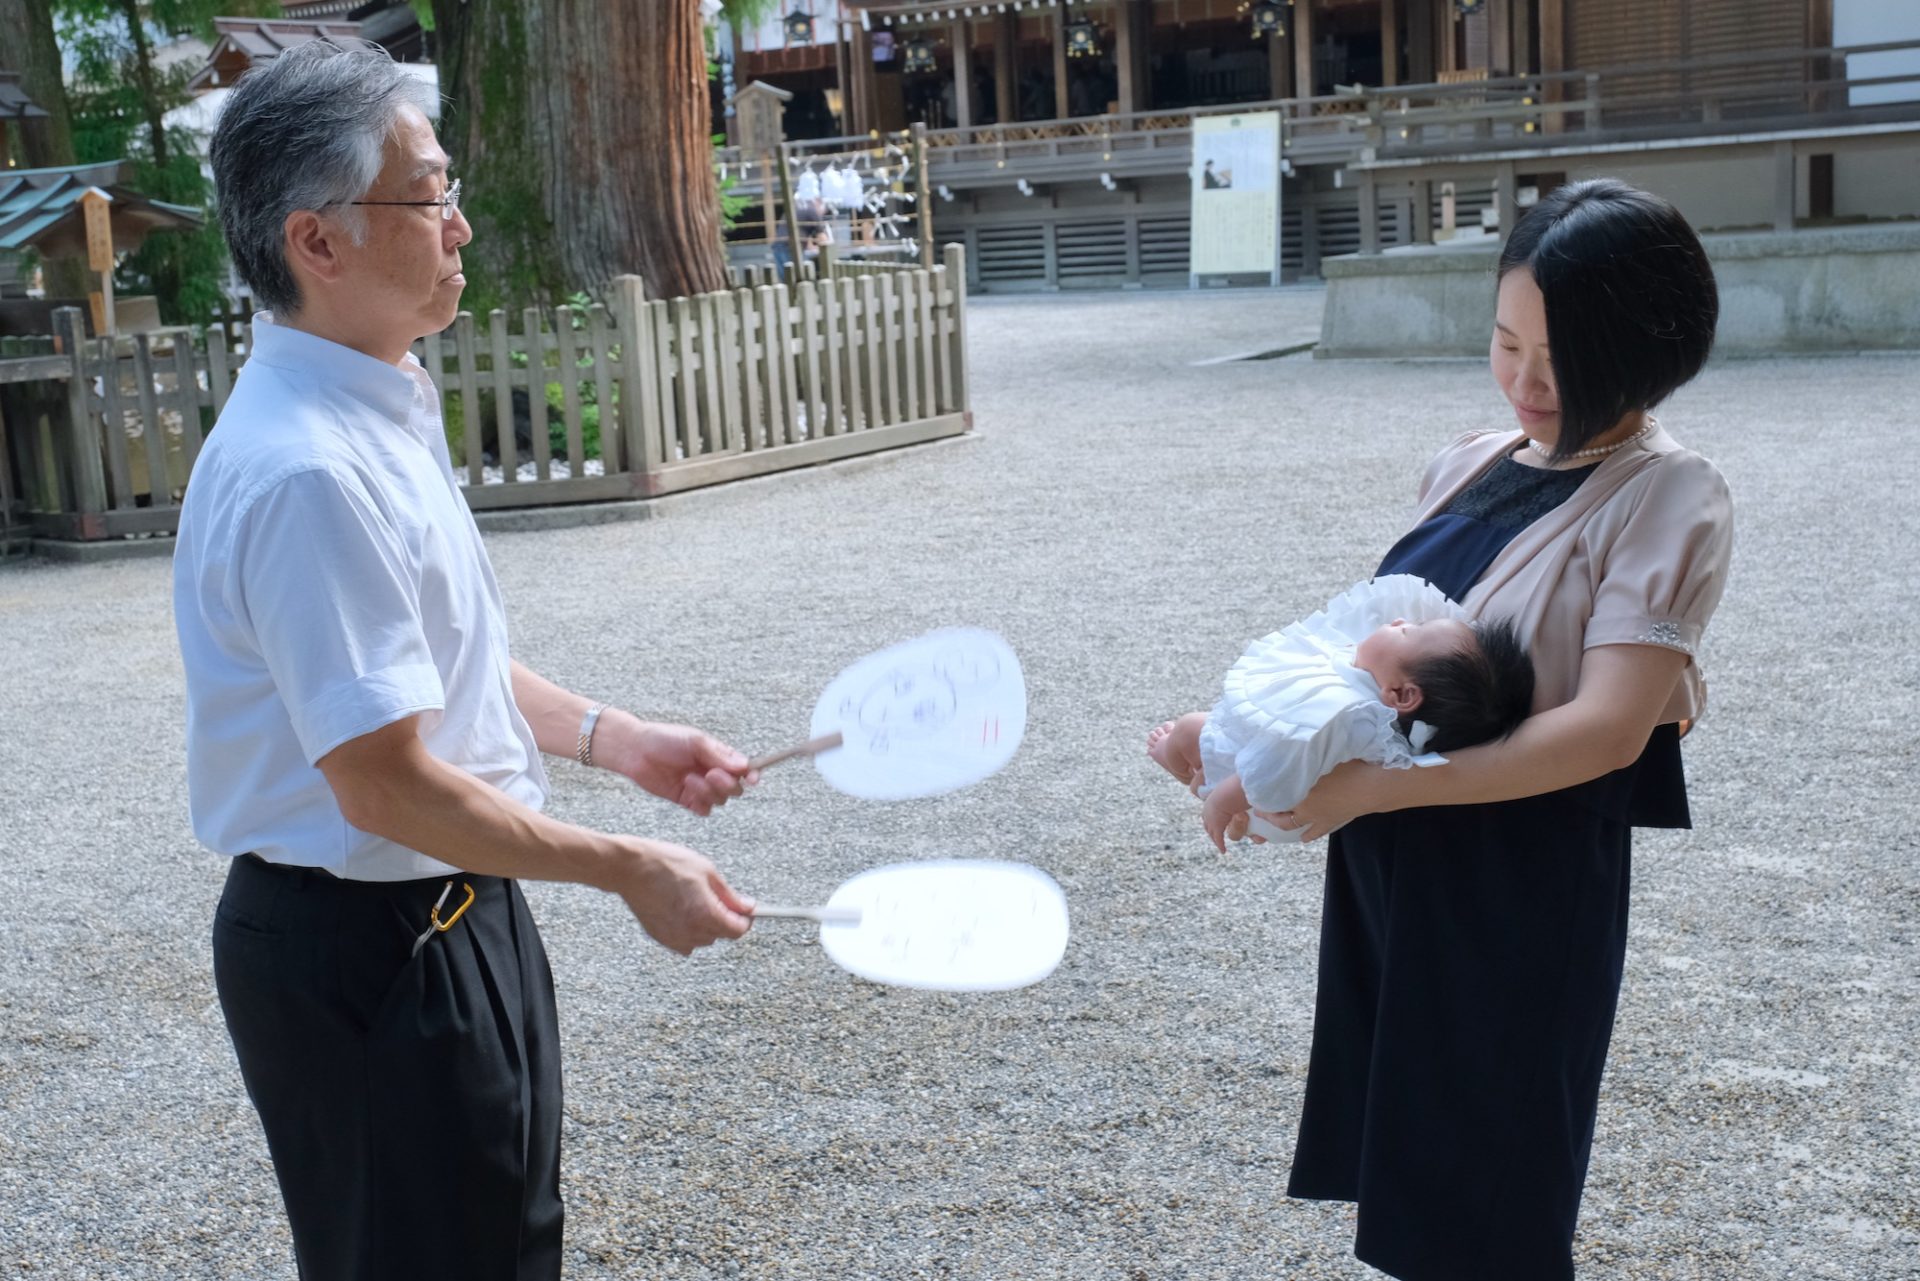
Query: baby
point(1346, 684)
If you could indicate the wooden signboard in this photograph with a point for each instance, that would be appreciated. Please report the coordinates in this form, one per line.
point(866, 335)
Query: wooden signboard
point(98, 206)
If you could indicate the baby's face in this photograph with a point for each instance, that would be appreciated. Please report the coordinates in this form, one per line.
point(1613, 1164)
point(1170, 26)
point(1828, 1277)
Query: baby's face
point(1389, 654)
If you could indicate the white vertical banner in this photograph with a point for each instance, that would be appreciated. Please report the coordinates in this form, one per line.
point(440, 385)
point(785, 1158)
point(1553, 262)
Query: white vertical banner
point(1236, 196)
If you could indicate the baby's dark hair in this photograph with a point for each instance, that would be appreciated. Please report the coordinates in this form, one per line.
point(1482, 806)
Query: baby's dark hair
point(1477, 693)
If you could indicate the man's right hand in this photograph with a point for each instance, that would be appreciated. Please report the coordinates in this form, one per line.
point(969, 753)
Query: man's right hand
point(680, 898)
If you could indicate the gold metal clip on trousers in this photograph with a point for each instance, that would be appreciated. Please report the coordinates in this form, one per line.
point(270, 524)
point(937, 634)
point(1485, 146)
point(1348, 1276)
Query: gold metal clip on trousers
point(437, 926)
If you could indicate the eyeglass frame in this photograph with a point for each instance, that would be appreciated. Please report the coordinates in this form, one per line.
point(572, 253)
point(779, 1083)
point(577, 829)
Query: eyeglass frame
point(447, 203)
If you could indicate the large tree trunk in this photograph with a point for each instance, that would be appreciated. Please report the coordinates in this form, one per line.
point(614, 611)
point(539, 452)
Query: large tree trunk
point(26, 33)
point(582, 130)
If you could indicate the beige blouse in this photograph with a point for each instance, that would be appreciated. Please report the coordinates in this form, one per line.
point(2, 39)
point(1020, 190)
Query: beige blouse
point(1638, 555)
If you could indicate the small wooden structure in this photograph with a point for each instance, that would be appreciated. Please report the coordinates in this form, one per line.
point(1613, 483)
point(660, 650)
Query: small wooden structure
point(758, 121)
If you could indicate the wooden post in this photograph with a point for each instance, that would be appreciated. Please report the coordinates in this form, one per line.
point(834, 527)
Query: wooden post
point(1423, 212)
point(796, 250)
point(1280, 66)
point(601, 341)
point(536, 345)
point(1522, 26)
point(1303, 85)
point(507, 453)
point(712, 411)
point(1507, 198)
point(186, 390)
point(857, 99)
point(1389, 42)
point(1006, 66)
point(683, 374)
point(1553, 59)
point(960, 36)
point(746, 316)
point(639, 397)
point(219, 381)
point(843, 77)
point(832, 340)
point(956, 264)
point(1369, 214)
point(152, 434)
point(1060, 107)
point(923, 195)
point(1126, 55)
point(6, 464)
point(568, 362)
point(97, 206)
point(1421, 42)
point(119, 470)
point(809, 393)
point(1500, 34)
point(848, 301)
point(83, 434)
point(471, 427)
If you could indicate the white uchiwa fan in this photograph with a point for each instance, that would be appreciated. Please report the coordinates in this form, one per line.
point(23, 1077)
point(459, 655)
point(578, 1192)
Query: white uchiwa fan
point(952, 925)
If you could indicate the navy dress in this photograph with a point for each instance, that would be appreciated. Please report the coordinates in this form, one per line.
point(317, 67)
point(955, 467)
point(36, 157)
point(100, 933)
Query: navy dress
point(1470, 961)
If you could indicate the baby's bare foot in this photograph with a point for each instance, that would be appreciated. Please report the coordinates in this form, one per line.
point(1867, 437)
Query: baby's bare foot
point(1163, 747)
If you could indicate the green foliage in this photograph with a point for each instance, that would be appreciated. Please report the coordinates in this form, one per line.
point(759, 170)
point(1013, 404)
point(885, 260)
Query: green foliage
point(118, 98)
point(748, 13)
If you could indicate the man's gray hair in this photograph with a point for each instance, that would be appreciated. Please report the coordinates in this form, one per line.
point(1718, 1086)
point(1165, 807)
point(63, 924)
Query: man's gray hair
point(306, 131)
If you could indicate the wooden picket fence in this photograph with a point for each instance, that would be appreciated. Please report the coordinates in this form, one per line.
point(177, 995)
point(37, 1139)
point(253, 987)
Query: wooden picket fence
point(629, 400)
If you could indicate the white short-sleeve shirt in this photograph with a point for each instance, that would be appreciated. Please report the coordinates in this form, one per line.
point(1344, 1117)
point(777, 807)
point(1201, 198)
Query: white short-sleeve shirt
point(329, 580)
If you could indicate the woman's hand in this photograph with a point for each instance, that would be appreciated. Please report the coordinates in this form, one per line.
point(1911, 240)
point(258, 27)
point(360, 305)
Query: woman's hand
point(1343, 794)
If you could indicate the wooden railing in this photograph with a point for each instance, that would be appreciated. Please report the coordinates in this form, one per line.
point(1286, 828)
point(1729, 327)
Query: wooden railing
point(1778, 87)
point(633, 399)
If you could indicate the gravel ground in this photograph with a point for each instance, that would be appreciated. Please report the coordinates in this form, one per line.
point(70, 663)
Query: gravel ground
point(754, 1112)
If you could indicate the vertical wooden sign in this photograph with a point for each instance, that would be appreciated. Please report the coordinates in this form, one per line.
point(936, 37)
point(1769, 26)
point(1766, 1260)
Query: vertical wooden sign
point(98, 208)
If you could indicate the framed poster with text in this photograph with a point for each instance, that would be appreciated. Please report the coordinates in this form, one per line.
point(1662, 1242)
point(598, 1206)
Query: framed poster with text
point(1236, 196)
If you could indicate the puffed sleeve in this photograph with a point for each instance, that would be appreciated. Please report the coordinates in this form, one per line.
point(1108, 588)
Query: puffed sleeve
point(325, 584)
point(1665, 567)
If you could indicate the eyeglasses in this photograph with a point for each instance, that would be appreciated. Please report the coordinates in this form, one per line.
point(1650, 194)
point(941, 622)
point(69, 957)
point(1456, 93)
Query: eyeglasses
point(448, 203)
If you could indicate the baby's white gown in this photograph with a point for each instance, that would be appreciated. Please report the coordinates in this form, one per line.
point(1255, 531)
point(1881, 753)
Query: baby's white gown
point(1294, 705)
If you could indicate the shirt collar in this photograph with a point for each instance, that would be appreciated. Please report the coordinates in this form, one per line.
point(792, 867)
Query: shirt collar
point(392, 390)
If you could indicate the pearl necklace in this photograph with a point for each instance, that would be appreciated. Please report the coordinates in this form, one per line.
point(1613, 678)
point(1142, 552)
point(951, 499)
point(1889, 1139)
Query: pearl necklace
point(1599, 451)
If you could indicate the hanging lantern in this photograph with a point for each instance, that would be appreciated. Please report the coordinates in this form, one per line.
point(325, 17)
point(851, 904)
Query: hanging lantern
point(1468, 8)
point(1083, 40)
point(919, 55)
point(1267, 19)
point(799, 25)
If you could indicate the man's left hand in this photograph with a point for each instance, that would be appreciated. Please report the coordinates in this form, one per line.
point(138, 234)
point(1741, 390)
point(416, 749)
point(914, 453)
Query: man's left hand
point(677, 763)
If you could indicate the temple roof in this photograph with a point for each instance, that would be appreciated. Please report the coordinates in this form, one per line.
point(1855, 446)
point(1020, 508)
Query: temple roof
point(14, 103)
point(40, 209)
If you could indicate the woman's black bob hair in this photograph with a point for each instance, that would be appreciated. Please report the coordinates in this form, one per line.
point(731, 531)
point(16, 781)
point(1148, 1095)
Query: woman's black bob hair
point(1631, 303)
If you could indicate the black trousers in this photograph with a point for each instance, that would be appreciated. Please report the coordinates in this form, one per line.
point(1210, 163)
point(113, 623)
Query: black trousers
point(411, 1102)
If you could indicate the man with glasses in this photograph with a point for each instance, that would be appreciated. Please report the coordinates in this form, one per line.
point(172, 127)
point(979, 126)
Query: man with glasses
point(360, 741)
